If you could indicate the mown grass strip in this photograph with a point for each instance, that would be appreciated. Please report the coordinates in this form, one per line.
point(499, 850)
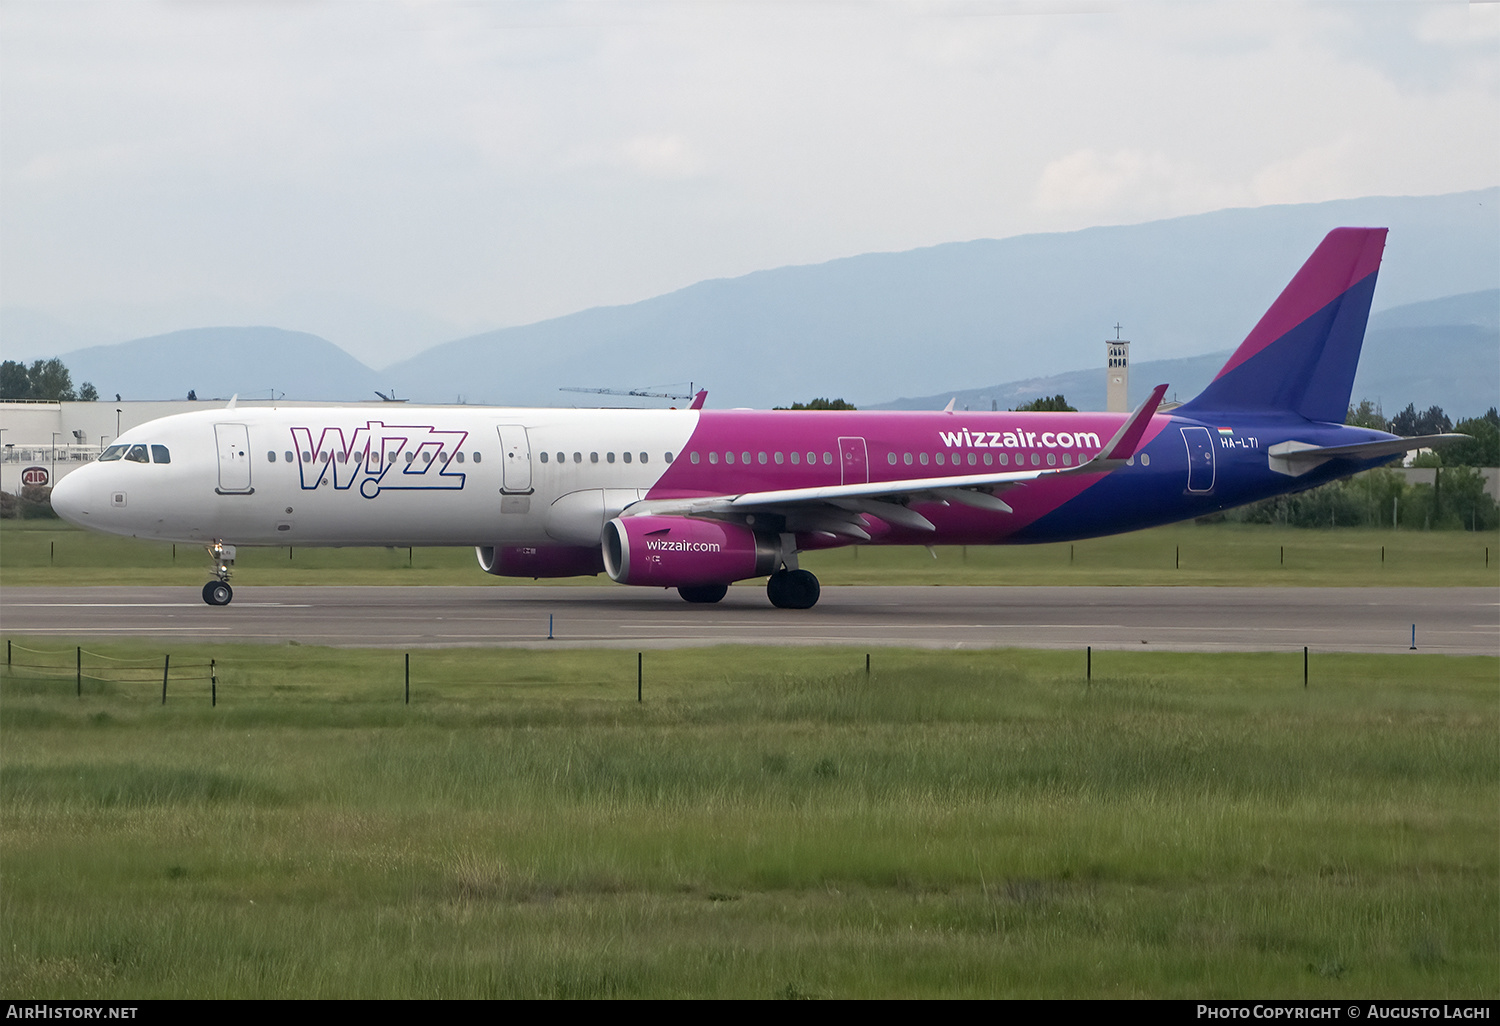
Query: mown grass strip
point(767, 823)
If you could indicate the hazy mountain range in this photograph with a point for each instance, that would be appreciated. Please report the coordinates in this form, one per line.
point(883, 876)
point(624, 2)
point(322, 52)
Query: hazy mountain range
point(1443, 352)
point(1030, 310)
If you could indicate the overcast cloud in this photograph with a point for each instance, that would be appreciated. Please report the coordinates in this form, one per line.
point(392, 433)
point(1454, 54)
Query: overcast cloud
point(391, 175)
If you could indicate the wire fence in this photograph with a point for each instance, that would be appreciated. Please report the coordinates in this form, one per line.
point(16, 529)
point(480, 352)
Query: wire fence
point(101, 669)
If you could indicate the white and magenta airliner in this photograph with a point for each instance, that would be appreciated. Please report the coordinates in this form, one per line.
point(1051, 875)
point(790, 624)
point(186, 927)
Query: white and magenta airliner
point(697, 499)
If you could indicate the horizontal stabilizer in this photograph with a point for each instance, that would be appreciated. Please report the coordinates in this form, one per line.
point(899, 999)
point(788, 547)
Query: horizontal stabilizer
point(1297, 458)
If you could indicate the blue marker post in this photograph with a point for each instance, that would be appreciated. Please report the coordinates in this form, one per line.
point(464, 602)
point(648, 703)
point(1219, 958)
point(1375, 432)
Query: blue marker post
point(1413, 638)
point(549, 627)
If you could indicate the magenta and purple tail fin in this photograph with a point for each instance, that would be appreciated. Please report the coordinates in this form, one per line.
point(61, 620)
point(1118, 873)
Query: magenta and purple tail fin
point(1302, 355)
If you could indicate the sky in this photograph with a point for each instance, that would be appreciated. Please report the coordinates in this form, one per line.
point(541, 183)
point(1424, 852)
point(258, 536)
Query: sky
point(394, 175)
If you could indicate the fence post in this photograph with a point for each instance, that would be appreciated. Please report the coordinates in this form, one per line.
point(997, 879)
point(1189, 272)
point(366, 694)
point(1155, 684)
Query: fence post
point(166, 662)
point(80, 671)
point(213, 683)
point(408, 678)
point(867, 664)
point(7, 640)
point(638, 676)
point(1089, 665)
point(1304, 667)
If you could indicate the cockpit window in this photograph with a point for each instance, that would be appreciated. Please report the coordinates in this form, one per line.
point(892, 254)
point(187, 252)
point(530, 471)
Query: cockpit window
point(159, 454)
point(114, 452)
point(137, 454)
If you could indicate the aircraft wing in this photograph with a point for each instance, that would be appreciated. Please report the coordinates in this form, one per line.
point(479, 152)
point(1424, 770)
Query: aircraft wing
point(836, 508)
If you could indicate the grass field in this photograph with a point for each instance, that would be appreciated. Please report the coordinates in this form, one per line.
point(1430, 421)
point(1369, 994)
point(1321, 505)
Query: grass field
point(764, 824)
point(1246, 555)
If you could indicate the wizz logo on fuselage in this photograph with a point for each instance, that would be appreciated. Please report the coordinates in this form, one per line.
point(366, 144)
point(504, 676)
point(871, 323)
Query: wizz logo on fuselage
point(380, 457)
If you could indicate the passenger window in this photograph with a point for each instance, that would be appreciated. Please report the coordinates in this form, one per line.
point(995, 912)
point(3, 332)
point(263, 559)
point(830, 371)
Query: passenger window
point(578, 457)
point(729, 458)
point(593, 457)
point(359, 457)
point(476, 457)
point(290, 458)
point(460, 456)
point(1067, 459)
point(342, 457)
point(760, 458)
point(812, 459)
point(669, 457)
point(973, 459)
point(989, 459)
point(137, 454)
point(778, 458)
point(270, 457)
point(906, 459)
point(1145, 460)
point(1036, 460)
point(1051, 459)
point(713, 458)
point(939, 458)
point(890, 458)
point(411, 457)
point(796, 458)
point(626, 456)
point(1005, 459)
point(745, 458)
point(544, 457)
point(609, 457)
point(694, 458)
point(643, 457)
point(111, 454)
point(562, 457)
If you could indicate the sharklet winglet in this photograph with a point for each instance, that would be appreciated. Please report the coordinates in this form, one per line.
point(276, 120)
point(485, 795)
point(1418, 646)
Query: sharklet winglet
point(1128, 439)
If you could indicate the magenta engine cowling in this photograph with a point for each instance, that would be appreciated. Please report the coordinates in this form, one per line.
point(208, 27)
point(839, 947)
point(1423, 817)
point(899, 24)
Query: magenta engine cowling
point(673, 552)
point(539, 560)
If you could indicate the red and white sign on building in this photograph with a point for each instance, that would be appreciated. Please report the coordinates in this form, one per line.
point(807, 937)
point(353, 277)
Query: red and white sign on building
point(35, 476)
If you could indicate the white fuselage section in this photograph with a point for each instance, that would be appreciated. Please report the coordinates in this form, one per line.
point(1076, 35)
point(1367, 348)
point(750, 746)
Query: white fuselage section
point(408, 475)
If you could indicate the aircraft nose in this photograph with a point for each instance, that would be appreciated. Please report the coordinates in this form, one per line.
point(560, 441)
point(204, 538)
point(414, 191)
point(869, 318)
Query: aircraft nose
point(70, 497)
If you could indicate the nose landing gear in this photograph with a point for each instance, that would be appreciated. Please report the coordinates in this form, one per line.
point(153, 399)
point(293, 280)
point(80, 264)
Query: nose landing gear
point(218, 592)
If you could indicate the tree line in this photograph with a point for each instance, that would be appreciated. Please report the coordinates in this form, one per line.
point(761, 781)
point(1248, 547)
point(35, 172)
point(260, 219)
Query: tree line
point(44, 379)
point(1481, 449)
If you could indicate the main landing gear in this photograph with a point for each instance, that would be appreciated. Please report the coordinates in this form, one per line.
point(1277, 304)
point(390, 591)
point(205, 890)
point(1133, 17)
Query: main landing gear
point(793, 589)
point(787, 589)
point(218, 592)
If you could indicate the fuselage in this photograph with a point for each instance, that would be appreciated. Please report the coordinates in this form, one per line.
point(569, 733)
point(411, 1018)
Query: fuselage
point(461, 475)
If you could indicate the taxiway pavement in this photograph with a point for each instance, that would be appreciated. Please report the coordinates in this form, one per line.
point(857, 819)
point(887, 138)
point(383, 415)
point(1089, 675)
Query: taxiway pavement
point(1456, 621)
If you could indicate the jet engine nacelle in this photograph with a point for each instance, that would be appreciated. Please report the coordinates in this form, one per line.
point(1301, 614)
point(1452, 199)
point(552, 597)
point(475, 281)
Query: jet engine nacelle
point(675, 552)
point(539, 560)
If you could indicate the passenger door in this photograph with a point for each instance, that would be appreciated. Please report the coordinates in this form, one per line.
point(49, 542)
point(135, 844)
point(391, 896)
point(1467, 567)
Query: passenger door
point(515, 460)
point(234, 459)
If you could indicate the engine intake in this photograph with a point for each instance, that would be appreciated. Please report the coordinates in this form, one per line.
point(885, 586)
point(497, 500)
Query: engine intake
point(674, 552)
